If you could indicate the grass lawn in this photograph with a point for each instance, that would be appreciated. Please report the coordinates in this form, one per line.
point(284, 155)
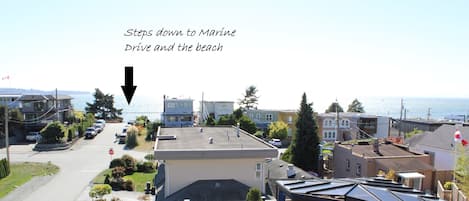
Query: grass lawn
point(22, 173)
point(99, 179)
point(140, 179)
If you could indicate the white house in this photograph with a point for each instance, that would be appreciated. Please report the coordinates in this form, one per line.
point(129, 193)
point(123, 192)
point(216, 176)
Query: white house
point(207, 154)
point(439, 144)
point(215, 109)
point(352, 126)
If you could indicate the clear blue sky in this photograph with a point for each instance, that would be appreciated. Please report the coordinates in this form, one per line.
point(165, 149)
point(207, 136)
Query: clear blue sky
point(327, 49)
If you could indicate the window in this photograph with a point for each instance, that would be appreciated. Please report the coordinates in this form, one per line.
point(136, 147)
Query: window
point(290, 119)
point(359, 169)
point(171, 105)
point(268, 117)
point(348, 165)
point(344, 123)
point(258, 170)
point(329, 135)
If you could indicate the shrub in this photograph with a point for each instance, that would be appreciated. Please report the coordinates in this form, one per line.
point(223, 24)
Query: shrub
point(115, 199)
point(146, 167)
point(118, 173)
point(130, 164)
point(70, 135)
point(4, 168)
point(150, 157)
point(253, 195)
point(128, 185)
point(448, 185)
point(106, 179)
point(131, 141)
point(81, 130)
point(259, 134)
point(99, 190)
point(117, 162)
point(53, 133)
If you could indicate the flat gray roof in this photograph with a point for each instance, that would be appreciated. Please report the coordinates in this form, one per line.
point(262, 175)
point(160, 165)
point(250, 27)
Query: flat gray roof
point(190, 143)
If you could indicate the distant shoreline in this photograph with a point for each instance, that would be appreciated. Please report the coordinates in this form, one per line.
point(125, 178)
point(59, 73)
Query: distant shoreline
point(37, 91)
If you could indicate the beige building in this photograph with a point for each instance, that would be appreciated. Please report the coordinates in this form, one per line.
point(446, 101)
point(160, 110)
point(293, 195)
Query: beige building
point(352, 125)
point(366, 160)
point(197, 154)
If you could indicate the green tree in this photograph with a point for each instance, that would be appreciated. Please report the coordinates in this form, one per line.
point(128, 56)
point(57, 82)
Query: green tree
point(210, 121)
point(249, 100)
point(304, 150)
point(99, 190)
point(103, 106)
point(236, 117)
point(334, 107)
point(226, 120)
point(53, 133)
point(356, 106)
point(253, 195)
point(278, 129)
point(247, 124)
point(462, 169)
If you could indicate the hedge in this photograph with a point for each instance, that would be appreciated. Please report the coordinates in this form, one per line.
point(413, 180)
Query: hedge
point(4, 168)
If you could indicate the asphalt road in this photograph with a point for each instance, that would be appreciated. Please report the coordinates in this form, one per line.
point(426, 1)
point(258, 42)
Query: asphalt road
point(78, 165)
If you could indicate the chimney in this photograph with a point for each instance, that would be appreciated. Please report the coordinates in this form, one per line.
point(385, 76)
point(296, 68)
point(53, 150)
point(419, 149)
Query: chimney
point(291, 171)
point(376, 146)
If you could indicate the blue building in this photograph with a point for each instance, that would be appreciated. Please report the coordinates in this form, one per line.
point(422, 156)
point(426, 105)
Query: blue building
point(178, 113)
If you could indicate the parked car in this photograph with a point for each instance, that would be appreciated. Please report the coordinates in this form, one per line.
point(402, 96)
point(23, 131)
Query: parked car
point(101, 121)
point(276, 142)
point(33, 136)
point(90, 132)
point(99, 127)
point(121, 137)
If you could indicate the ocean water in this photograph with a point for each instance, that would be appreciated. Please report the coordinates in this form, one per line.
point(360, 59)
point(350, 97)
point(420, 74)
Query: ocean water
point(385, 106)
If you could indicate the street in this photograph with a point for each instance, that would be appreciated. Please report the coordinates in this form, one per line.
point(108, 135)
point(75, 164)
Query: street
point(78, 165)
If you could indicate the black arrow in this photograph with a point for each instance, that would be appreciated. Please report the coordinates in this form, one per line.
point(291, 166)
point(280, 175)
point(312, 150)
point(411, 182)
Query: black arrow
point(129, 88)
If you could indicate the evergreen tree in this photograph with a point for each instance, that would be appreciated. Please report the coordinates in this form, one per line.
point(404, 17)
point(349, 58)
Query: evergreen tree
point(103, 106)
point(304, 150)
point(334, 107)
point(247, 124)
point(249, 100)
point(356, 106)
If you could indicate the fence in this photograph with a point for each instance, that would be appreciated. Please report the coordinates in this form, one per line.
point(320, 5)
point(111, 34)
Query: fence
point(452, 195)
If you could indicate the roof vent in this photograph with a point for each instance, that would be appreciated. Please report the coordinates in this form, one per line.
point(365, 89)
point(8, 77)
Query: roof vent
point(201, 130)
point(291, 171)
point(237, 129)
point(210, 140)
point(376, 146)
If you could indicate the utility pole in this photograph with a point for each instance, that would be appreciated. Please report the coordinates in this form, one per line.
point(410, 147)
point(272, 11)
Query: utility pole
point(56, 104)
point(202, 110)
point(405, 113)
point(7, 143)
point(337, 119)
point(400, 118)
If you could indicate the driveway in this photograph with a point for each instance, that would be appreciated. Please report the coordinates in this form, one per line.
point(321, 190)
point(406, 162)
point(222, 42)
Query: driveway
point(78, 165)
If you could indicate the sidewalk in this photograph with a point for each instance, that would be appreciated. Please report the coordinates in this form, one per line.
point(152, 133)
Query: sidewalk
point(122, 195)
